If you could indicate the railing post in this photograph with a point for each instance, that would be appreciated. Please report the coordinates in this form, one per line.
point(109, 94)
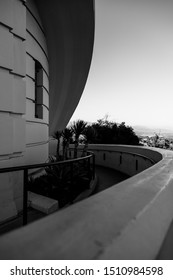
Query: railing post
point(120, 158)
point(93, 166)
point(25, 196)
point(71, 179)
point(89, 168)
point(136, 164)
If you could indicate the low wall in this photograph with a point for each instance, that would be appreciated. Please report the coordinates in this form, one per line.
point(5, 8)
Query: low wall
point(152, 153)
point(126, 221)
point(128, 159)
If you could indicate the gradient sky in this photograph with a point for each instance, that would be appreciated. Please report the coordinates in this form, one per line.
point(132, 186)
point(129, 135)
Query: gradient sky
point(131, 75)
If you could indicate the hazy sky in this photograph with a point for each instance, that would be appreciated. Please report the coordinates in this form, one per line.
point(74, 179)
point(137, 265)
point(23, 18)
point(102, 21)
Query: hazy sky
point(131, 75)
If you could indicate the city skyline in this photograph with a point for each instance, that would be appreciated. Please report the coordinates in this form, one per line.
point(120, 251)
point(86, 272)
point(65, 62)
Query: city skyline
point(130, 78)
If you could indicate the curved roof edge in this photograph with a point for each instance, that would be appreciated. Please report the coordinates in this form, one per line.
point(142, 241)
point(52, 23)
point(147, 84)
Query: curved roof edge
point(69, 27)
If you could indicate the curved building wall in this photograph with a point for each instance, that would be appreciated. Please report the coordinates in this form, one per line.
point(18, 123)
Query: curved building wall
point(29, 31)
point(36, 50)
point(24, 119)
point(70, 47)
point(12, 103)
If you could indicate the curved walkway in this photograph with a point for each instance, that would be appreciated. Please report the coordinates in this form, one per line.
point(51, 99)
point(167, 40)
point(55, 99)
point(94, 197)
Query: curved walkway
point(108, 177)
point(166, 250)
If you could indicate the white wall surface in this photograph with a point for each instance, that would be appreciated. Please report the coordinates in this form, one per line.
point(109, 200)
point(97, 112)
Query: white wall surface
point(23, 138)
point(13, 103)
point(36, 49)
point(36, 133)
point(32, 152)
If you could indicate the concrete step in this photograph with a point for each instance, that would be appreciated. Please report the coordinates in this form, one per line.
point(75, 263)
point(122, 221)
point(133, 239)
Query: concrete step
point(42, 203)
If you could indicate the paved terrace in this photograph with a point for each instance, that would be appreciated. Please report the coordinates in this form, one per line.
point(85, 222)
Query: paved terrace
point(129, 220)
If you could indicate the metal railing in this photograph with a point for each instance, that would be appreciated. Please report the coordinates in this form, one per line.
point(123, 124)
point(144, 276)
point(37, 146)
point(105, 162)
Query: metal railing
point(25, 168)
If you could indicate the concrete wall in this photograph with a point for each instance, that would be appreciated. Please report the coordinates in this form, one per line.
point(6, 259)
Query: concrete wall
point(153, 154)
point(24, 138)
point(126, 221)
point(130, 160)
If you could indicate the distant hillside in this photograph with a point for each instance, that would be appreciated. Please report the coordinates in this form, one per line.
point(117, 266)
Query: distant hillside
point(146, 131)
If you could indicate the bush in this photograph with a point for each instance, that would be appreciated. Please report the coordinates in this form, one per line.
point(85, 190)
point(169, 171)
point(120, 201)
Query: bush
point(57, 182)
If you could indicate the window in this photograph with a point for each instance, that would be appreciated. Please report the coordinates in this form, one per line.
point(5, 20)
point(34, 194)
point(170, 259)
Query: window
point(38, 90)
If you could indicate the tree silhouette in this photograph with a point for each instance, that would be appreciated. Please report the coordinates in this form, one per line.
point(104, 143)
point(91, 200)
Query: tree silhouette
point(78, 128)
point(89, 137)
point(57, 135)
point(112, 133)
point(67, 134)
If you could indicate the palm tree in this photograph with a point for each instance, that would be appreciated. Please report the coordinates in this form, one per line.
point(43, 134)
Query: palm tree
point(67, 134)
point(57, 135)
point(78, 128)
point(90, 137)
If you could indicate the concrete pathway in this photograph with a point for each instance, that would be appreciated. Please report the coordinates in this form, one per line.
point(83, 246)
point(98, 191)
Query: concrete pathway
point(166, 251)
point(108, 177)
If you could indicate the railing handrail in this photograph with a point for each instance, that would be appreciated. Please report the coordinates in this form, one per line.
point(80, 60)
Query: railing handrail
point(25, 169)
point(39, 165)
point(125, 152)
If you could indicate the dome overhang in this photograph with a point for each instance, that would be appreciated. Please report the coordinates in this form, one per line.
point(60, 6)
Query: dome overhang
point(69, 29)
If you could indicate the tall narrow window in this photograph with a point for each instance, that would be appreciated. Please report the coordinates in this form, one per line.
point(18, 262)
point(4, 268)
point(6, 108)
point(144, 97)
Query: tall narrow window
point(38, 90)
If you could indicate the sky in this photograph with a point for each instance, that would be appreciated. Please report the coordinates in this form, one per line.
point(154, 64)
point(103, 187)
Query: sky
point(131, 74)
